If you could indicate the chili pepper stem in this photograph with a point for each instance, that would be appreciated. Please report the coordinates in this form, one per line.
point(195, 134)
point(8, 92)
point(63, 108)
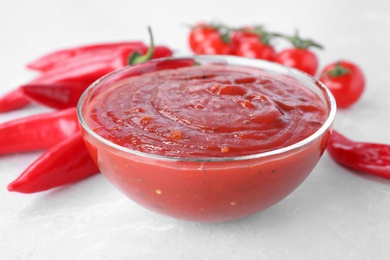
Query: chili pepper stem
point(136, 57)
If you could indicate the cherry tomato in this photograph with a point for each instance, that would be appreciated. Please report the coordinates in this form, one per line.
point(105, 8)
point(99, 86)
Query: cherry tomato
point(302, 59)
point(245, 34)
point(299, 56)
point(253, 48)
point(345, 80)
point(214, 44)
point(199, 34)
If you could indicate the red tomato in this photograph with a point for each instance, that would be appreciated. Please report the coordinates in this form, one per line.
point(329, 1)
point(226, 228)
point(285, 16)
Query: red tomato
point(199, 34)
point(345, 80)
point(253, 48)
point(214, 44)
point(302, 59)
point(239, 36)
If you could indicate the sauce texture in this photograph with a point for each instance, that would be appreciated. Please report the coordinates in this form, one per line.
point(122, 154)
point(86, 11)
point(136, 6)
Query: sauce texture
point(206, 111)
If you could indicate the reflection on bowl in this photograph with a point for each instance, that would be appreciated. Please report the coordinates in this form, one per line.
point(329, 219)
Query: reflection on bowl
point(213, 178)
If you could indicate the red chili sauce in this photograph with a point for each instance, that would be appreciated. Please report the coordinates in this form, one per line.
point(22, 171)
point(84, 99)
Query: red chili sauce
point(206, 111)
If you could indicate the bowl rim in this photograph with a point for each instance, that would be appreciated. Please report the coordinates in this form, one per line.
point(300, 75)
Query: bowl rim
point(228, 60)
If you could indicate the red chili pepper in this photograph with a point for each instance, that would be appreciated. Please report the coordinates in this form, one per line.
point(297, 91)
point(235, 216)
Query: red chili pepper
point(62, 86)
point(57, 96)
point(160, 51)
point(65, 95)
point(37, 132)
point(86, 68)
point(82, 71)
point(56, 58)
point(65, 163)
point(371, 158)
point(13, 100)
point(72, 79)
point(80, 66)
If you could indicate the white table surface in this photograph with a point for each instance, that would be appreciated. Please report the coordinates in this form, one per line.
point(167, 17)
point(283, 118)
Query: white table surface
point(334, 214)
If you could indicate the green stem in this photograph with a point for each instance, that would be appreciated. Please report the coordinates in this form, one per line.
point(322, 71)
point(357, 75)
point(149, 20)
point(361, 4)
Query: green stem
point(300, 43)
point(338, 71)
point(137, 57)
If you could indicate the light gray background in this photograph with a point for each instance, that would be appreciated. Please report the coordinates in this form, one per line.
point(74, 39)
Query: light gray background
point(334, 214)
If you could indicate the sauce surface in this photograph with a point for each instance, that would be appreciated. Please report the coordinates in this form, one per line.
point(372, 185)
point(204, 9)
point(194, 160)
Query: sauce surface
point(206, 111)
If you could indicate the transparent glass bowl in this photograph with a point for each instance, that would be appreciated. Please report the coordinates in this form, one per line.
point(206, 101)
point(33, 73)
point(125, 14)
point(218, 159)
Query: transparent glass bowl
point(207, 189)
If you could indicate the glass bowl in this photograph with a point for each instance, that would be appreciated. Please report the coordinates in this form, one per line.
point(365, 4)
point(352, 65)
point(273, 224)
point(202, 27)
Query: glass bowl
point(207, 189)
